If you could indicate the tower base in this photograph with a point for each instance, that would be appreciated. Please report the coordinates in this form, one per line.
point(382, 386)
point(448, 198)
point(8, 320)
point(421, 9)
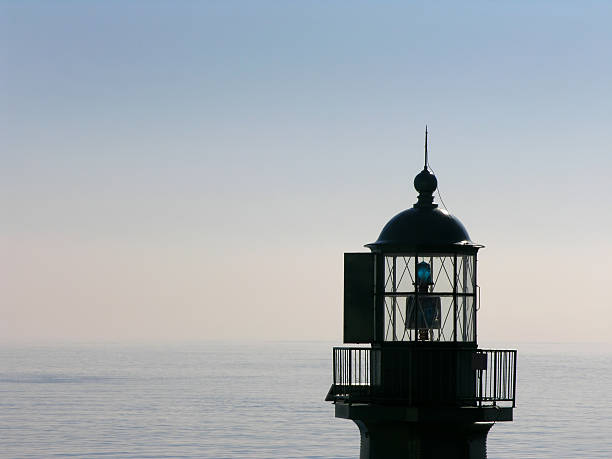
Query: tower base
point(389, 432)
point(406, 440)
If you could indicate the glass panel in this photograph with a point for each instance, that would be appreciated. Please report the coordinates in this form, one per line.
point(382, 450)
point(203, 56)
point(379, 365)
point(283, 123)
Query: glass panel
point(405, 274)
point(389, 272)
point(465, 318)
point(433, 316)
point(441, 273)
point(466, 278)
point(446, 330)
point(399, 274)
point(394, 320)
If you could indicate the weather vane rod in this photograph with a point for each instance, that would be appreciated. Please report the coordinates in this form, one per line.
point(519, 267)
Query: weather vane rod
point(426, 147)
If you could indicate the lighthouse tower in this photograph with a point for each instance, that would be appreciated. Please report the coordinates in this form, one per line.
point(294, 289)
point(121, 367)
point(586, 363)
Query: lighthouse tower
point(414, 380)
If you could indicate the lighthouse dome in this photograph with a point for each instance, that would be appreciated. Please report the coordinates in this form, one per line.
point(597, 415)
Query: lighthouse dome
point(424, 226)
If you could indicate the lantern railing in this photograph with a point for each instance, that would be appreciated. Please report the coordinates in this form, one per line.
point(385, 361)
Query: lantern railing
point(497, 380)
point(464, 377)
point(352, 369)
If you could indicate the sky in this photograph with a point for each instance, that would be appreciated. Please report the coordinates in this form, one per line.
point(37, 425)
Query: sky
point(189, 170)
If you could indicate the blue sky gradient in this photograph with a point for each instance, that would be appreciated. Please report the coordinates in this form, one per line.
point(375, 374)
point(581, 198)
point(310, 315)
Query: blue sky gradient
point(196, 169)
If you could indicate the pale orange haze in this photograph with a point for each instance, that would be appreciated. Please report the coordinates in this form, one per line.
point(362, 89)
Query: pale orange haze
point(195, 171)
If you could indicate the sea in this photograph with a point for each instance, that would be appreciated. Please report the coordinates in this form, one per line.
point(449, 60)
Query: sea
point(261, 400)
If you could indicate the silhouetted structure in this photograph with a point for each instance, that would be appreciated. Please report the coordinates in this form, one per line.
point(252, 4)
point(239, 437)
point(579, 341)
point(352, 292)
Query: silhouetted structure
point(422, 389)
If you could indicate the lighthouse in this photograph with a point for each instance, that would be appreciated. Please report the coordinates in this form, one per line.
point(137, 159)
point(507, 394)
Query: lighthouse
point(411, 375)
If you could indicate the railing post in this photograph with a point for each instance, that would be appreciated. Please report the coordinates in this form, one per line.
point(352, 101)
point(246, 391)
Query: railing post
point(350, 368)
point(357, 366)
point(334, 365)
point(494, 378)
point(480, 387)
point(514, 382)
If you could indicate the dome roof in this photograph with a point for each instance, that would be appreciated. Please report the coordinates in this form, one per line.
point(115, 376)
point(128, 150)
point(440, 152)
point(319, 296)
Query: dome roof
point(419, 228)
point(424, 226)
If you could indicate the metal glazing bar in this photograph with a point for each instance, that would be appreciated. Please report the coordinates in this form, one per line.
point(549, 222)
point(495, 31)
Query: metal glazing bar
point(464, 290)
point(443, 294)
point(416, 298)
point(394, 288)
point(455, 297)
point(475, 305)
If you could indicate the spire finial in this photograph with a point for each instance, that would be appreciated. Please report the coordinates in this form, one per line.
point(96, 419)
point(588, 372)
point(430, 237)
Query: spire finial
point(425, 147)
point(425, 183)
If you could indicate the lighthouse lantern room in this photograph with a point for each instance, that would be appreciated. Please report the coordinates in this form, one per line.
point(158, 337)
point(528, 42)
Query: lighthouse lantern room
point(415, 381)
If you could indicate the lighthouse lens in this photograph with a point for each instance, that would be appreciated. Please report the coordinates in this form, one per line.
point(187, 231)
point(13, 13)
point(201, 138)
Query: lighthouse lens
point(424, 273)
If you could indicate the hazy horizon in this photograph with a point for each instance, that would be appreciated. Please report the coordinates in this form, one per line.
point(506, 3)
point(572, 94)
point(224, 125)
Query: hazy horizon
point(190, 171)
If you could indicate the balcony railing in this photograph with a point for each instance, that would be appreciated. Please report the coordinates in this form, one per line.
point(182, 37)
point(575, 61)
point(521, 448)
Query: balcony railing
point(474, 377)
point(497, 381)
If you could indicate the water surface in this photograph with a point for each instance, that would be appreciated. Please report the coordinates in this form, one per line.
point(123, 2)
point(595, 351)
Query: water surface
point(262, 400)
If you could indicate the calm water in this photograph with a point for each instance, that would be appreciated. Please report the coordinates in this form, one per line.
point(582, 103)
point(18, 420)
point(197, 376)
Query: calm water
point(225, 400)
